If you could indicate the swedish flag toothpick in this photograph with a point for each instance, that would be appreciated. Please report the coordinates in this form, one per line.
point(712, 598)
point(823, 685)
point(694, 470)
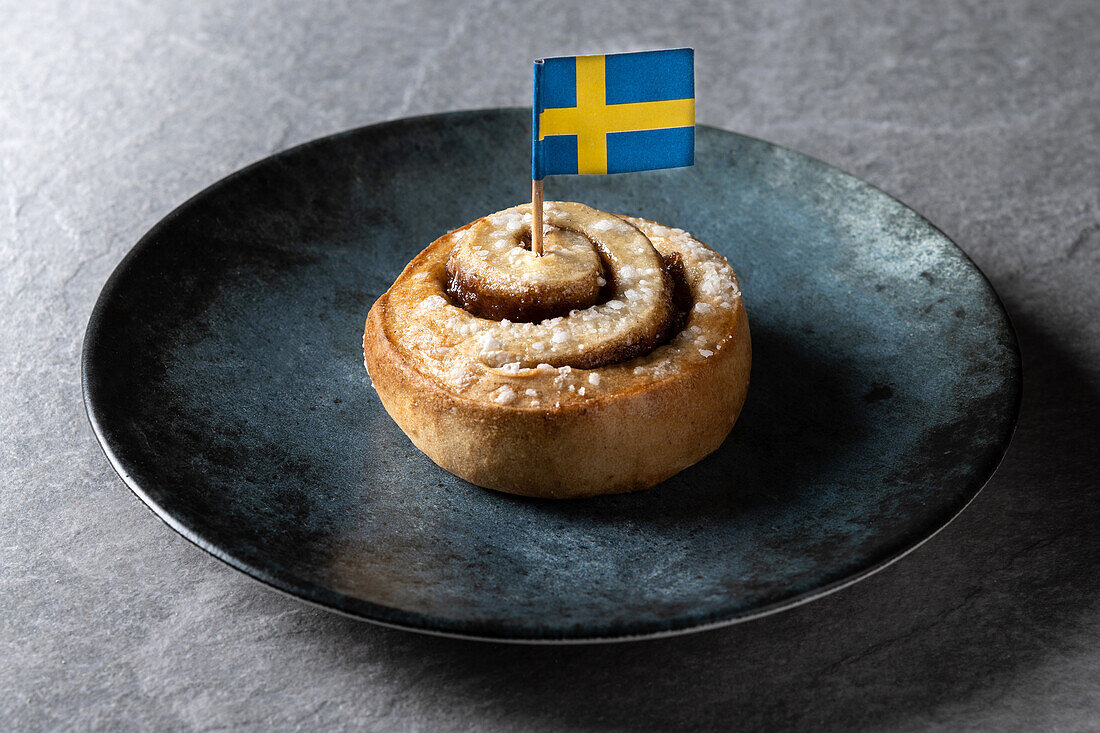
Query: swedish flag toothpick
point(611, 113)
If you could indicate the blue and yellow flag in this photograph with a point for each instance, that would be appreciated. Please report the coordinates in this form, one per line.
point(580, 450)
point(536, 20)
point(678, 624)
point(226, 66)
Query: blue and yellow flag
point(613, 114)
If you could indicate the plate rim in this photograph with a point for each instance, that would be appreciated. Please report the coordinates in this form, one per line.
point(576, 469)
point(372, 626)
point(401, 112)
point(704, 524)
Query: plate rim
point(399, 618)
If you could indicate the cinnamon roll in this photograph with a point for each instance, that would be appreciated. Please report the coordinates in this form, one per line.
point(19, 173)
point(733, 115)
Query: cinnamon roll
point(612, 362)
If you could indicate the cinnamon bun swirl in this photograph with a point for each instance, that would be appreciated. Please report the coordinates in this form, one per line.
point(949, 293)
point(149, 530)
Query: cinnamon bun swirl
point(615, 360)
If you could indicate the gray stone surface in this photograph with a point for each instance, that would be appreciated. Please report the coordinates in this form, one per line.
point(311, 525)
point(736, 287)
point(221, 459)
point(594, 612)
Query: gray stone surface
point(983, 116)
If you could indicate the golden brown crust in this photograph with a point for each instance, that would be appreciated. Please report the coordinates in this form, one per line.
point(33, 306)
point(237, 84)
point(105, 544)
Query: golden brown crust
point(648, 419)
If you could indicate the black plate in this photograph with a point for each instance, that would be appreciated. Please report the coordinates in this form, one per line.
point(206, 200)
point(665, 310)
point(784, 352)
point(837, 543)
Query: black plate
point(224, 377)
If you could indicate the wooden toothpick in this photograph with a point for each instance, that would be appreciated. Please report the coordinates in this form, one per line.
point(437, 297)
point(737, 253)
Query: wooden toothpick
point(536, 217)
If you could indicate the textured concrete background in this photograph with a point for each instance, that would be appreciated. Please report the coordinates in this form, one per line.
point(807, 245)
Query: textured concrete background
point(983, 116)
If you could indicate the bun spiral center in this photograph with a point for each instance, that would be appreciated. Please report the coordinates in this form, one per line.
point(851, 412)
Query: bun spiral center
point(600, 293)
point(494, 274)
